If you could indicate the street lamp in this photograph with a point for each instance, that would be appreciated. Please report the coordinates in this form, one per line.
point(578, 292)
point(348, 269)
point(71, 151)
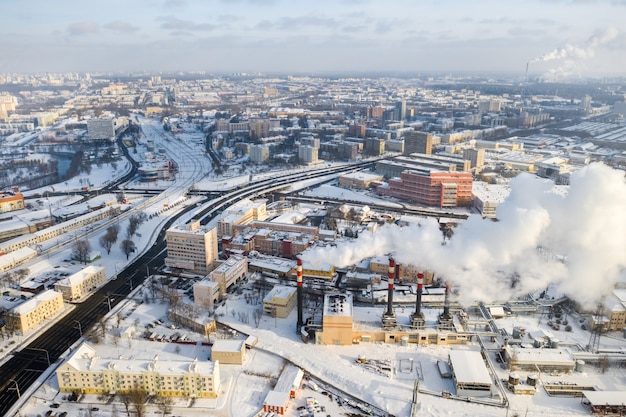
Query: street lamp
point(17, 388)
point(41, 350)
point(108, 301)
point(80, 328)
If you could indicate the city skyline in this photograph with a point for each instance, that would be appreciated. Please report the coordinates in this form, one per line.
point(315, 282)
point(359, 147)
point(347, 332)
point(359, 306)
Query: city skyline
point(559, 38)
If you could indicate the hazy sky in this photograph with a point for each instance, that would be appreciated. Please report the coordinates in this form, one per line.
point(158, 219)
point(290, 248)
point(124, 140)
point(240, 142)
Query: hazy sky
point(572, 36)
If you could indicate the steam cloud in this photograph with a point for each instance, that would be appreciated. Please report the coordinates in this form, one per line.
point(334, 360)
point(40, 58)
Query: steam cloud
point(576, 243)
point(585, 51)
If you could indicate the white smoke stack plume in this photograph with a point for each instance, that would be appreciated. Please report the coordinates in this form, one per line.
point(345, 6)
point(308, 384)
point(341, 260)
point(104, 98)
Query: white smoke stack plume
point(584, 51)
point(586, 228)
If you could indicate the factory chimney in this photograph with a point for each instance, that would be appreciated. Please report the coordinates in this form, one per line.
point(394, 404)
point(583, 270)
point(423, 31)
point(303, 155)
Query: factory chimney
point(418, 301)
point(445, 319)
point(389, 317)
point(446, 302)
point(299, 283)
point(417, 320)
point(392, 272)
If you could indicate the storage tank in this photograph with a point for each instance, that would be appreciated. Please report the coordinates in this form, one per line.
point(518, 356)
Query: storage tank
point(554, 343)
point(531, 380)
point(580, 365)
point(513, 379)
point(404, 341)
point(538, 342)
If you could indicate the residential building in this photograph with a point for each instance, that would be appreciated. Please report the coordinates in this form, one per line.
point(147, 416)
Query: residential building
point(85, 372)
point(615, 307)
point(259, 154)
point(475, 156)
point(431, 188)
point(35, 311)
point(191, 247)
point(280, 301)
point(418, 142)
point(308, 154)
point(75, 287)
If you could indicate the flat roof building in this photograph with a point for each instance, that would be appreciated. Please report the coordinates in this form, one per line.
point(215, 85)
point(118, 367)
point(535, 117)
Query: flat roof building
point(35, 311)
point(471, 376)
point(77, 286)
point(191, 247)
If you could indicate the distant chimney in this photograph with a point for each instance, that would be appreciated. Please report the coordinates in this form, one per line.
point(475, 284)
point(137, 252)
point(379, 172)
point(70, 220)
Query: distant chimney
point(392, 272)
point(418, 301)
point(299, 289)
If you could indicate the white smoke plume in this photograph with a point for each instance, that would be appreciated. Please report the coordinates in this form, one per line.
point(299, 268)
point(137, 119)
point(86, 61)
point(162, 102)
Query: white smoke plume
point(584, 51)
point(576, 243)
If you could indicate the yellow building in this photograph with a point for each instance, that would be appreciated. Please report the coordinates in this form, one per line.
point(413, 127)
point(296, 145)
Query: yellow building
point(191, 247)
point(336, 320)
point(615, 306)
point(85, 372)
point(228, 351)
point(280, 301)
point(75, 287)
point(212, 288)
point(10, 202)
point(240, 213)
point(35, 311)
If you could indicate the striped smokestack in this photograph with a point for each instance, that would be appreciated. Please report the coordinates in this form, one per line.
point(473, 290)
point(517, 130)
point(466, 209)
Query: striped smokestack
point(392, 272)
point(299, 283)
point(418, 301)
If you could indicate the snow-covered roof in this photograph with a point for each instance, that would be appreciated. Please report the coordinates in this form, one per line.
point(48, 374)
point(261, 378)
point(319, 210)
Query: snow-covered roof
point(338, 304)
point(32, 304)
point(469, 367)
point(222, 345)
point(607, 398)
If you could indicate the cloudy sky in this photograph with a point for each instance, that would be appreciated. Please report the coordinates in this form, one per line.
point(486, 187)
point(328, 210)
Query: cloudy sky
point(569, 36)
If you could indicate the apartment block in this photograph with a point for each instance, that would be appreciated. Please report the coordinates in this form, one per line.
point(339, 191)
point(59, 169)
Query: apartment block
point(191, 247)
point(86, 372)
point(35, 311)
point(77, 286)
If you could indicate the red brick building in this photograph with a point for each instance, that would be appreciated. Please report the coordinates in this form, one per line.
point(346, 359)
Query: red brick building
point(431, 188)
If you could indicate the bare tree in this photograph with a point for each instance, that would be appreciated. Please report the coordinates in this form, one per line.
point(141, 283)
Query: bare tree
point(134, 222)
point(164, 404)
point(110, 237)
point(128, 247)
point(258, 313)
point(135, 401)
point(80, 250)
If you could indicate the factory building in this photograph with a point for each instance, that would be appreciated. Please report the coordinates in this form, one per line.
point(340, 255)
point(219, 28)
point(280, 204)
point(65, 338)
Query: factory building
point(85, 372)
point(547, 360)
point(75, 287)
point(471, 376)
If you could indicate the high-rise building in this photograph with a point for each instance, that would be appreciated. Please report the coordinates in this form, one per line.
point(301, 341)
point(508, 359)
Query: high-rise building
point(489, 106)
point(308, 155)
point(418, 142)
point(259, 154)
point(401, 109)
point(475, 156)
point(191, 247)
